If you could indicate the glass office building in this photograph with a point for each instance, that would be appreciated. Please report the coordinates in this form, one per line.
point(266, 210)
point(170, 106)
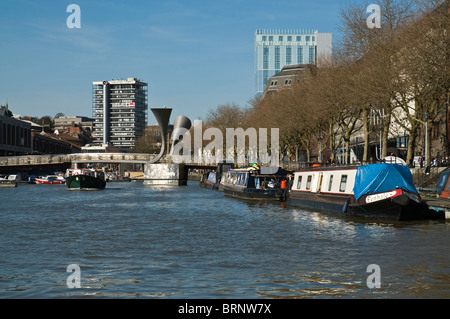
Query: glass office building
point(119, 112)
point(276, 48)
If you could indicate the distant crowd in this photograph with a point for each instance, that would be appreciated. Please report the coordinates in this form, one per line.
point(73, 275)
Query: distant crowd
point(435, 162)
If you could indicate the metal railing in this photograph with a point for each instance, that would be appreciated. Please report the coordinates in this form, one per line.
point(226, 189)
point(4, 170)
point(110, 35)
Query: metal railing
point(135, 158)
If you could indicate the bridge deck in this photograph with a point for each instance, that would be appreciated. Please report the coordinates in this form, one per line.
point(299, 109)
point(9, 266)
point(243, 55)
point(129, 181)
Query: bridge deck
point(84, 158)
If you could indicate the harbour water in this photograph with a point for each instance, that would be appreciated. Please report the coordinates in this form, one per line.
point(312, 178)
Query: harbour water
point(136, 241)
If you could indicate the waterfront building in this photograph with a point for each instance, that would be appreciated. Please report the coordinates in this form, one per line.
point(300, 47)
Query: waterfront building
point(276, 48)
point(65, 123)
point(15, 135)
point(119, 112)
point(48, 143)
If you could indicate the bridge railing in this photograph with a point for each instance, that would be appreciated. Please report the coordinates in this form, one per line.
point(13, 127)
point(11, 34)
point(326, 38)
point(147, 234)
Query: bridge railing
point(33, 160)
point(29, 160)
point(111, 157)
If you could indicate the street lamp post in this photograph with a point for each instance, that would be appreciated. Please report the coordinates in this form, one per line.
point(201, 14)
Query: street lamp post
point(426, 139)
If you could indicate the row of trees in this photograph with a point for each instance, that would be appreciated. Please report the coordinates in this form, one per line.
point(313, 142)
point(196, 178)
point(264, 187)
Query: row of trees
point(399, 71)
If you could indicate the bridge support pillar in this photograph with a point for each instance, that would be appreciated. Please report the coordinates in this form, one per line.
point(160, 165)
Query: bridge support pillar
point(165, 174)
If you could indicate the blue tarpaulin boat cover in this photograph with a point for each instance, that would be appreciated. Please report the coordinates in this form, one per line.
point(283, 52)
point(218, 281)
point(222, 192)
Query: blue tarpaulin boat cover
point(382, 177)
point(443, 177)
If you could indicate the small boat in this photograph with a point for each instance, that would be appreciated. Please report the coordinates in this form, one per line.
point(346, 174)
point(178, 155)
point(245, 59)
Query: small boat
point(7, 183)
point(255, 183)
point(210, 180)
point(214, 179)
point(376, 190)
point(443, 186)
point(50, 179)
point(85, 179)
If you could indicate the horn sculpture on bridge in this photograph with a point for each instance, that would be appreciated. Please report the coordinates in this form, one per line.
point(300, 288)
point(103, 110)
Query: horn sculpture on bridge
point(181, 125)
point(162, 116)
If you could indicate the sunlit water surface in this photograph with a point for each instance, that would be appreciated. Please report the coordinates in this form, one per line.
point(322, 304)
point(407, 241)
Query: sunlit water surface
point(131, 240)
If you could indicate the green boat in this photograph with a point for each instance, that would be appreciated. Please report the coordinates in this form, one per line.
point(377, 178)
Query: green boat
point(85, 179)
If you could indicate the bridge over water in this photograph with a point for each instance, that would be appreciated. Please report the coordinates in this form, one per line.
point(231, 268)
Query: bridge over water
point(9, 163)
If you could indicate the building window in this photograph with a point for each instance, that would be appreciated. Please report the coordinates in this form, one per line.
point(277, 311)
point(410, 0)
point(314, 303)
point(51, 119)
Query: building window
point(300, 55)
point(311, 55)
point(288, 55)
point(264, 38)
point(299, 38)
point(270, 38)
point(265, 58)
point(401, 142)
point(277, 58)
point(280, 38)
point(308, 38)
point(289, 38)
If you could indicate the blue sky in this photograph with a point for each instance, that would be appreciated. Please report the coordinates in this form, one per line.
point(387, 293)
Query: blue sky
point(195, 55)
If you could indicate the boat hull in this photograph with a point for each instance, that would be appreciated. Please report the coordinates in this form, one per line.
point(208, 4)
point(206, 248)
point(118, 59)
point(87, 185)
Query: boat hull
point(38, 181)
point(85, 182)
point(6, 183)
point(320, 202)
point(252, 193)
point(400, 208)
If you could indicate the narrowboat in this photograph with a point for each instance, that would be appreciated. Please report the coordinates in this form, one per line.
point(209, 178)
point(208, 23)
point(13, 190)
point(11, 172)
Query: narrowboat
point(85, 179)
point(214, 179)
point(378, 190)
point(210, 180)
point(256, 183)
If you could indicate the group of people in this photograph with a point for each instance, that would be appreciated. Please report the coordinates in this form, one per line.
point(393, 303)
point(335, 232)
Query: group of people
point(435, 162)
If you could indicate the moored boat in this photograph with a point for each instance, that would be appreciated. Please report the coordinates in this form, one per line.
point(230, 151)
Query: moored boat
point(7, 183)
point(376, 191)
point(50, 179)
point(214, 179)
point(256, 183)
point(85, 179)
point(210, 180)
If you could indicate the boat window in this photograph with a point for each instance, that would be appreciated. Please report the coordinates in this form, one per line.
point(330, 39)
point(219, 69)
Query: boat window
point(308, 182)
point(244, 179)
point(241, 179)
point(299, 183)
point(343, 183)
point(330, 183)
